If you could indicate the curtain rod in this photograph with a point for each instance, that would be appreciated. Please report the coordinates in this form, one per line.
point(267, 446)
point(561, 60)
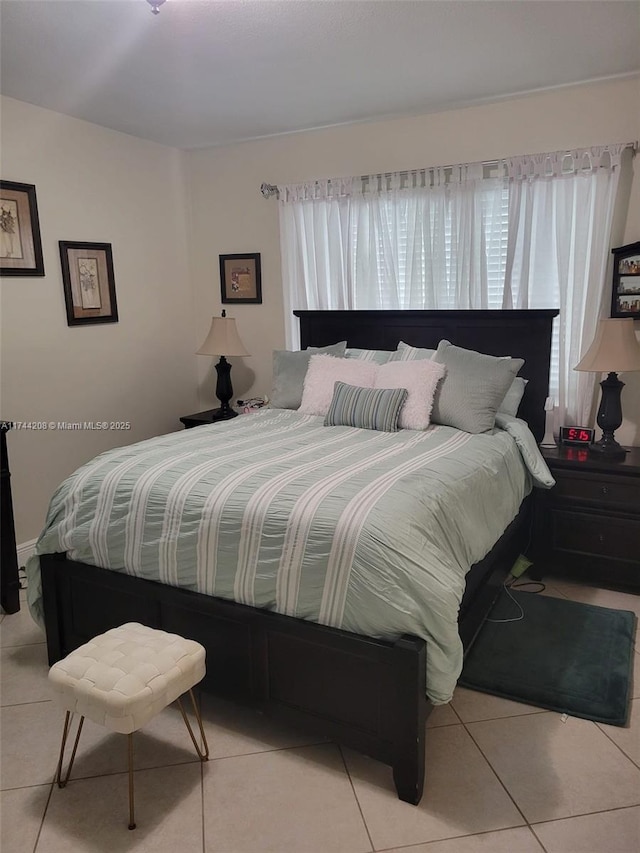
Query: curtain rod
point(269, 190)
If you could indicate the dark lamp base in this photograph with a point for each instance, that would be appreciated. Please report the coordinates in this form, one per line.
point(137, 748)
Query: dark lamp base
point(223, 414)
point(609, 450)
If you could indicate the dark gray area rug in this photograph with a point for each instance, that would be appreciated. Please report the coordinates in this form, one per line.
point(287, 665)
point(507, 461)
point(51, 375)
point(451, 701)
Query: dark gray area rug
point(562, 655)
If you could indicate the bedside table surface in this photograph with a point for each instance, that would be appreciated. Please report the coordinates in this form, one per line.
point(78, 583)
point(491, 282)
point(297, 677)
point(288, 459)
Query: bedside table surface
point(200, 416)
point(578, 459)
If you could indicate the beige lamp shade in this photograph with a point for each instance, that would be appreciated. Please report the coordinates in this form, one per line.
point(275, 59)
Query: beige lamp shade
point(223, 338)
point(615, 348)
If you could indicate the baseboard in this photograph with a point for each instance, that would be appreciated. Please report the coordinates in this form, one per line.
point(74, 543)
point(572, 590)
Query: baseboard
point(25, 551)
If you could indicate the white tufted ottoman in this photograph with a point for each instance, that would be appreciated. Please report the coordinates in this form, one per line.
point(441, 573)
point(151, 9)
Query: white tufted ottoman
point(123, 678)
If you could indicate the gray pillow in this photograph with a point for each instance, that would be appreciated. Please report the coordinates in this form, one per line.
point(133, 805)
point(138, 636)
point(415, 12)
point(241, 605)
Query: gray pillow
point(513, 397)
point(473, 387)
point(405, 352)
point(378, 356)
point(289, 371)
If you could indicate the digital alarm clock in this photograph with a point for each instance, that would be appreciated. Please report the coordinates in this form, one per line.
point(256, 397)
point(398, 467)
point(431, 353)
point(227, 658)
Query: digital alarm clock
point(576, 435)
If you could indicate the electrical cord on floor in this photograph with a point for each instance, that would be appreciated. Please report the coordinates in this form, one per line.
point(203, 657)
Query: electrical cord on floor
point(517, 604)
point(509, 584)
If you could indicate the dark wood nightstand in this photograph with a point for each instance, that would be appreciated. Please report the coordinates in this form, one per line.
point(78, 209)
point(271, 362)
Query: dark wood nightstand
point(588, 525)
point(201, 418)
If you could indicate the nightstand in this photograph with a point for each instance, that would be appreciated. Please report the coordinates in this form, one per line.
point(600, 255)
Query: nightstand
point(588, 525)
point(201, 418)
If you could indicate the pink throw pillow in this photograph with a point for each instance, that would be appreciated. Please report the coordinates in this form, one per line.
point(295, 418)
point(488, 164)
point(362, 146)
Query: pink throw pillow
point(323, 373)
point(420, 378)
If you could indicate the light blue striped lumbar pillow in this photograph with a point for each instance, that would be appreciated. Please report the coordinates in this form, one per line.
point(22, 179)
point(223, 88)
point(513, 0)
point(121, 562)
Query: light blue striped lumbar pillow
point(365, 408)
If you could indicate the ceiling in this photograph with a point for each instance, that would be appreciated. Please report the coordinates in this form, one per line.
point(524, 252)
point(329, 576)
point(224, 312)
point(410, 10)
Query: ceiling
point(211, 72)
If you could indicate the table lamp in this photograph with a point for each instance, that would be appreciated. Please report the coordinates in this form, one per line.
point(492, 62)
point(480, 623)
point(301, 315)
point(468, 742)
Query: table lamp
point(614, 350)
point(223, 339)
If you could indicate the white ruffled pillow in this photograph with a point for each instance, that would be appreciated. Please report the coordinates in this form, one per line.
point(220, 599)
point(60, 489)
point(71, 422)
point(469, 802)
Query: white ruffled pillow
point(420, 378)
point(323, 373)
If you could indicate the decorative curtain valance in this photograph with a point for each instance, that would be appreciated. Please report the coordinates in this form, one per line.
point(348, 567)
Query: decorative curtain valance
point(522, 167)
point(557, 163)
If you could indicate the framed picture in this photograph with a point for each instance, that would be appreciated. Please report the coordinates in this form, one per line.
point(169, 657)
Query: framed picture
point(89, 284)
point(625, 298)
point(240, 278)
point(20, 246)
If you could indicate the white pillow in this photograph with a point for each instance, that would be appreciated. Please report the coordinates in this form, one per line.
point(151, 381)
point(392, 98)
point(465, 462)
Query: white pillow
point(420, 378)
point(323, 373)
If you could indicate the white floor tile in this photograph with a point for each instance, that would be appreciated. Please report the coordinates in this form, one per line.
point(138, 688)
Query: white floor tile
point(616, 832)
point(472, 705)
point(233, 730)
point(29, 744)
point(519, 840)
point(22, 813)
point(290, 800)
point(627, 738)
point(462, 795)
point(25, 672)
point(442, 715)
point(31, 736)
point(92, 814)
point(19, 629)
point(554, 769)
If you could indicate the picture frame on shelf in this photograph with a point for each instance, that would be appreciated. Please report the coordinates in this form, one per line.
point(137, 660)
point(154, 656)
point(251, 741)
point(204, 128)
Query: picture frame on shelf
point(20, 243)
point(89, 283)
point(241, 279)
point(625, 297)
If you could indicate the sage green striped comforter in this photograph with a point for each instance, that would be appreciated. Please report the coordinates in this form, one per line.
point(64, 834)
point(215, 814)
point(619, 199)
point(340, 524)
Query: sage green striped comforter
point(371, 532)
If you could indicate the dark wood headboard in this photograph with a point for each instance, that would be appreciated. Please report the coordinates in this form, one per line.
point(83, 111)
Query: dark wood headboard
point(521, 334)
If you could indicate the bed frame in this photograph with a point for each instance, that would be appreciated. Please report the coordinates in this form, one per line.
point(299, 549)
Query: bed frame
point(361, 692)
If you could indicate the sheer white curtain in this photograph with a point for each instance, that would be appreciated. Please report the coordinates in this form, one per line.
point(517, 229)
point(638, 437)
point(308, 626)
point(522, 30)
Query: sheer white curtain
point(560, 215)
point(529, 232)
point(410, 240)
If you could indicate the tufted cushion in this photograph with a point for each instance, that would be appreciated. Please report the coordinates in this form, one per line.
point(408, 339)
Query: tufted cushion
point(123, 678)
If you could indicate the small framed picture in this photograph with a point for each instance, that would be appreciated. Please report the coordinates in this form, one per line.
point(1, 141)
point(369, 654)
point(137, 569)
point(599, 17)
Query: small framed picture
point(240, 278)
point(89, 283)
point(20, 245)
point(625, 298)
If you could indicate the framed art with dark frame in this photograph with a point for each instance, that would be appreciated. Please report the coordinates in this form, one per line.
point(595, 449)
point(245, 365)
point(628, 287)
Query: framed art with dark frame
point(240, 279)
point(20, 245)
point(89, 283)
point(625, 298)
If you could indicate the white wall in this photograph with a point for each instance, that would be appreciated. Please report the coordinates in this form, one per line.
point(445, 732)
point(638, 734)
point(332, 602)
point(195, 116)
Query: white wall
point(93, 184)
point(228, 213)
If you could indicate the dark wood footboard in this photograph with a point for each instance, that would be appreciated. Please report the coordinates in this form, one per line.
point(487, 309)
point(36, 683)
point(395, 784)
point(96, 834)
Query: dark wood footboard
point(361, 692)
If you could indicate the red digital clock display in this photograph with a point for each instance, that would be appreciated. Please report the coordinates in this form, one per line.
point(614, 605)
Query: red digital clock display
point(576, 435)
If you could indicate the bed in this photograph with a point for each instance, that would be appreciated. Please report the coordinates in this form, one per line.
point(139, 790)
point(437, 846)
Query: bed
point(366, 693)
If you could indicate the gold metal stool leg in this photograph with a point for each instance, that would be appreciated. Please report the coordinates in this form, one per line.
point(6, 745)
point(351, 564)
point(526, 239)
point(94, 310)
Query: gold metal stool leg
point(202, 755)
point(132, 822)
point(65, 733)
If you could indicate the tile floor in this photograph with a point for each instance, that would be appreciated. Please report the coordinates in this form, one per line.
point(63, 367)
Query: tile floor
point(502, 777)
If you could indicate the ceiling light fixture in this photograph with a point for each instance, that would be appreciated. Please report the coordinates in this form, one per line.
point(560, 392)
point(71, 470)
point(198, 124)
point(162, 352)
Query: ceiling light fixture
point(155, 5)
